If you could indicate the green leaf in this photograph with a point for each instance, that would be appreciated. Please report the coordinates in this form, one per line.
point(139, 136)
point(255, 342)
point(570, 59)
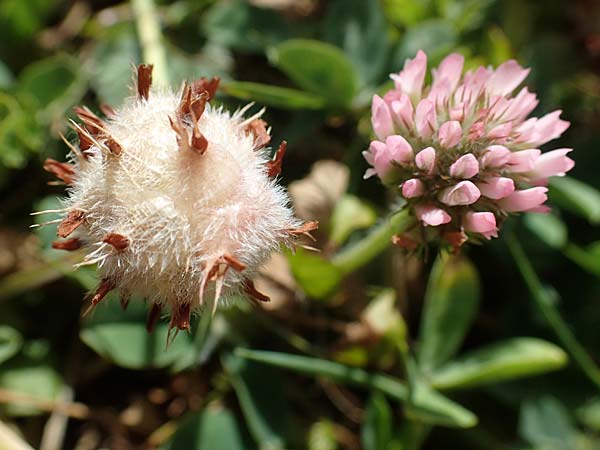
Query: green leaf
point(588, 258)
point(506, 360)
point(6, 77)
point(121, 337)
point(318, 68)
point(54, 84)
point(210, 429)
point(350, 214)
point(427, 405)
point(578, 197)
point(435, 37)
point(279, 97)
point(376, 431)
point(263, 404)
point(589, 413)
point(239, 25)
point(545, 423)
point(317, 277)
point(406, 13)
point(465, 15)
point(451, 303)
point(383, 318)
point(317, 367)
point(10, 342)
point(110, 62)
point(30, 373)
point(549, 228)
point(359, 28)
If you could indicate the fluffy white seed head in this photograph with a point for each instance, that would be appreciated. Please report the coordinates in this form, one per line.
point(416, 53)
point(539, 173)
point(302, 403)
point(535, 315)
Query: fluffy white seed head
point(175, 201)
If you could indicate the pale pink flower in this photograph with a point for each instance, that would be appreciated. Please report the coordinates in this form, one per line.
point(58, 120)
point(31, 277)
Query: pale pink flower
point(469, 154)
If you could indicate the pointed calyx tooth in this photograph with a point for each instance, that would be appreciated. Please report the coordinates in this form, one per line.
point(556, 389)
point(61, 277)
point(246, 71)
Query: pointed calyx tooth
point(251, 290)
point(107, 110)
point(198, 142)
point(85, 141)
point(118, 241)
point(180, 317)
point(106, 285)
point(233, 262)
point(63, 171)
point(258, 128)
point(94, 124)
point(69, 244)
point(70, 223)
point(113, 146)
point(153, 317)
point(144, 80)
point(274, 166)
point(206, 85)
point(304, 229)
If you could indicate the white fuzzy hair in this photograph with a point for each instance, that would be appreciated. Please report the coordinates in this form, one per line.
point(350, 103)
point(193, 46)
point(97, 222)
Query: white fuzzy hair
point(179, 210)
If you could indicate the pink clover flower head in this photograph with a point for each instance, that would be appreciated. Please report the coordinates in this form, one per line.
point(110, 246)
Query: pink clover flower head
point(462, 151)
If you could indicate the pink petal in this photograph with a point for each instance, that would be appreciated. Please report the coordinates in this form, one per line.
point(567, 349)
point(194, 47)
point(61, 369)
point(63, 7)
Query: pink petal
point(425, 160)
point(524, 160)
point(496, 187)
point(462, 193)
point(425, 118)
point(524, 200)
point(465, 167)
point(403, 112)
point(432, 215)
point(539, 131)
point(458, 112)
point(553, 163)
point(399, 149)
point(450, 134)
point(506, 78)
point(520, 106)
point(413, 188)
point(501, 131)
point(495, 156)
point(381, 118)
point(410, 80)
point(480, 222)
point(450, 69)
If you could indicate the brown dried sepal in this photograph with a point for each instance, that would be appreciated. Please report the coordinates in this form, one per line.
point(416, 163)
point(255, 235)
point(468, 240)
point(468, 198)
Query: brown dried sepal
point(118, 241)
point(305, 229)
point(94, 124)
point(144, 80)
point(63, 171)
point(113, 146)
point(153, 317)
point(85, 142)
point(107, 110)
point(180, 317)
point(233, 262)
point(198, 142)
point(254, 293)
point(258, 128)
point(456, 239)
point(70, 223)
point(69, 244)
point(274, 166)
point(106, 285)
point(405, 241)
point(206, 85)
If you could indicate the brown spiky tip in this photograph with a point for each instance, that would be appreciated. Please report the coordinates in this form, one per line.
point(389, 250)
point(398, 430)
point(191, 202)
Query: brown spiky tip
point(198, 142)
point(106, 285)
point(85, 141)
point(63, 171)
point(258, 128)
point(180, 318)
point(274, 166)
point(233, 262)
point(70, 223)
point(305, 229)
point(144, 80)
point(118, 241)
point(94, 124)
point(153, 317)
point(206, 85)
point(69, 244)
point(113, 146)
point(404, 241)
point(107, 110)
point(254, 293)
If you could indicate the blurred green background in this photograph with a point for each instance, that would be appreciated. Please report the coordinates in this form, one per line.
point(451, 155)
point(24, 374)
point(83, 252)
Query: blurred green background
point(383, 371)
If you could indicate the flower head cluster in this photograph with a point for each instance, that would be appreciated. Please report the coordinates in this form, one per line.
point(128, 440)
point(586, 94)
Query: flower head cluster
point(461, 151)
point(174, 199)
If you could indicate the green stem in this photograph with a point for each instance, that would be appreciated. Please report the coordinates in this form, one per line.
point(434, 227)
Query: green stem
point(151, 41)
point(378, 239)
point(551, 313)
